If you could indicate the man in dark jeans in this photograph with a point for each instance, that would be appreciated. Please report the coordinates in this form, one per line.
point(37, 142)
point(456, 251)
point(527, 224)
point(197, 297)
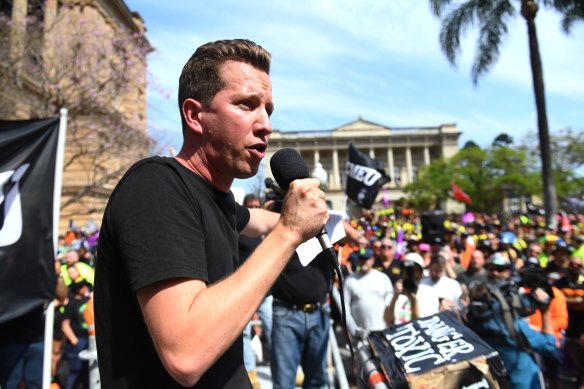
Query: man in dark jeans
point(76, 336)
point(301, 321)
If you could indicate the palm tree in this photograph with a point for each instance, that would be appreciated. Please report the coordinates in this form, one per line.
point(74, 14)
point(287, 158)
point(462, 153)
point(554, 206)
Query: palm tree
point(492, 17)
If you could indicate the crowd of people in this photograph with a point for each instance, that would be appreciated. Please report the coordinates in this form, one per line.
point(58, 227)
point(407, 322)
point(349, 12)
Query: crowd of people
point(469, 262)
point(173, 296)
point(395, 274)
point(75, 269)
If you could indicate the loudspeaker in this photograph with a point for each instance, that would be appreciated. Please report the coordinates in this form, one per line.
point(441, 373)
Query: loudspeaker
point(433, 225)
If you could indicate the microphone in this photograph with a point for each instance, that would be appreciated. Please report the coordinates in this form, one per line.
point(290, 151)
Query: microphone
point(271, 184)
point(288, 165)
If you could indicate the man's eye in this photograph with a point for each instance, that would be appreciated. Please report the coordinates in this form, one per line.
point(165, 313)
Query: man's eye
point(246, 104)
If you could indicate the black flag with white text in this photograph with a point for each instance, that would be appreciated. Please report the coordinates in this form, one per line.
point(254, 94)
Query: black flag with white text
point(28, 152)
point(365, 177)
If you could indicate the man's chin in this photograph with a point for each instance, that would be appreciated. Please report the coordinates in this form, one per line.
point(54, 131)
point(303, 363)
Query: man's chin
point(245, 174)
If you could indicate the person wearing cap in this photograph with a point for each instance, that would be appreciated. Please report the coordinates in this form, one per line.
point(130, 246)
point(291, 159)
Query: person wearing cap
point(411, 300)
point(436, 244)
point(498, 268)
point(572, 286)
point(561, 260)
point(426, 253)
point(76, 335)
point(413, 244)
point(505, 246)
point(512, 338)
point(353, 261)
point(367, 293)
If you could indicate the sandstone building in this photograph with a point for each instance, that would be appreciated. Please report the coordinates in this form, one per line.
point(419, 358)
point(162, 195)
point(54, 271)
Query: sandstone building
point(401, 152)
point(88, 56)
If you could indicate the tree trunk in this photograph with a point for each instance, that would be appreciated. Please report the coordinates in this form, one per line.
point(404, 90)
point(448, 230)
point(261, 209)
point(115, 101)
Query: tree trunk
point(529, 10)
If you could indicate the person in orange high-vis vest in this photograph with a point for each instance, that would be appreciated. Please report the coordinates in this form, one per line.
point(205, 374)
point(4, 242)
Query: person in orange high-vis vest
point(89, 317)
point(559, 313)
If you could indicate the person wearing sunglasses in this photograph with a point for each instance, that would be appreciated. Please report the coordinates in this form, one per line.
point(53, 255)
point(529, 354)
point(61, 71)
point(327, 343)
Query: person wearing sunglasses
point(572, 285)
point(498, 268)
point(386, 262)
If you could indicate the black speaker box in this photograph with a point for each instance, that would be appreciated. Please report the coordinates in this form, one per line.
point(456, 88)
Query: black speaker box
point(433, 226)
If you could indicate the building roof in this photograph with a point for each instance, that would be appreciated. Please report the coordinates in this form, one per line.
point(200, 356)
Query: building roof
point(364, 128)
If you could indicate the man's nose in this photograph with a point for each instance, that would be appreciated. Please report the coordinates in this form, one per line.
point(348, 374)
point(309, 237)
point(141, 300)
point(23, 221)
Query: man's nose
point(264, 123)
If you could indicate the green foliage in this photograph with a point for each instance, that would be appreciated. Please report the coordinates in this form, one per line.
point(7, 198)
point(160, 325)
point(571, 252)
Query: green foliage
point(491, 17)
point(486, 175)
point(432, 184)
point(567, 146)
point(503, 139)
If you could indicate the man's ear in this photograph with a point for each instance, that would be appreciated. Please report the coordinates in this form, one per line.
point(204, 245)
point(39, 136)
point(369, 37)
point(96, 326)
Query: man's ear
point(191, 110)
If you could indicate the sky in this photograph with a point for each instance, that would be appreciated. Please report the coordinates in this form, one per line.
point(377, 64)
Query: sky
point(336, 60)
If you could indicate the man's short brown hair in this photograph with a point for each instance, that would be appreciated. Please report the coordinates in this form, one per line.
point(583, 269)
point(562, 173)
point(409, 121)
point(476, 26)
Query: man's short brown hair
point(200, 78)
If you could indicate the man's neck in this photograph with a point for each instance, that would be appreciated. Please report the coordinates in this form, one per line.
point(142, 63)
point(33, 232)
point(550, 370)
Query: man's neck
point(197, 167)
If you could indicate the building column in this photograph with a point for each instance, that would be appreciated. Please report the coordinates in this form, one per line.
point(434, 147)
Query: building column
point(316, 157)
point(336, 179)
point(372, 153)
point(426, 155)
point(391, 168)
point(266, 162)
point(409, 171)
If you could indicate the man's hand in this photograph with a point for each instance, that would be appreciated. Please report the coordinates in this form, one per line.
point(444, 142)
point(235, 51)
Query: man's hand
point(304, 211)
point(398, 288)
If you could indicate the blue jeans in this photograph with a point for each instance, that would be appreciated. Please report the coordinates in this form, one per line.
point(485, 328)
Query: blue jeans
point(265, 314)
point(299, 338)
point(21, 362)
point(248, 356)
point(78, 368)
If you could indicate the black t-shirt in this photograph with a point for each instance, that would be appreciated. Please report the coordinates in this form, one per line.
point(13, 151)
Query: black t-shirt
point(162, 222)
point(247, 245)
point(468, 277)
point(393, 271)
point(304, 285)
point(74, 311)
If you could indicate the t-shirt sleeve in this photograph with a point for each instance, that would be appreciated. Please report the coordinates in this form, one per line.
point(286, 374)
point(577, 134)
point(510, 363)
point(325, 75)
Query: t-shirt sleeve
point(157, 225)
point(241, 217)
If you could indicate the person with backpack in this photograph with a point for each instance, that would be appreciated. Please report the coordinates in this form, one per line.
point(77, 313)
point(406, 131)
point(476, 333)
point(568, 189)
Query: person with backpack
point(498, 315)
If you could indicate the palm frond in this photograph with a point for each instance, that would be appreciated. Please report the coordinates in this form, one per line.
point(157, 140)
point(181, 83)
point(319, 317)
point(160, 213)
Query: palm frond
point(453, 25)
point(493, 29)
point(438, 6)
point(572, 10)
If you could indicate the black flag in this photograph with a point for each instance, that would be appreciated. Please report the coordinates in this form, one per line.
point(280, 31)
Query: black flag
point(28, 152)
point(365, 177)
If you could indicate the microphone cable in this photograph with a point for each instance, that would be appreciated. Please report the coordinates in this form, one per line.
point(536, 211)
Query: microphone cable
point(337, 269)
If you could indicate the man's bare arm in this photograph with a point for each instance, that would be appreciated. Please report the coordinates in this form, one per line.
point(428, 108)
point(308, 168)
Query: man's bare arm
point(193, 324)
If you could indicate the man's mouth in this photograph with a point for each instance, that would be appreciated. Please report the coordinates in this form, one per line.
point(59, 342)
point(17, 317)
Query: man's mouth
point(259, 149)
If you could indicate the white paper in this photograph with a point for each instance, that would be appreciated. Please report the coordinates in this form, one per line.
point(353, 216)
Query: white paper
point(308, 250)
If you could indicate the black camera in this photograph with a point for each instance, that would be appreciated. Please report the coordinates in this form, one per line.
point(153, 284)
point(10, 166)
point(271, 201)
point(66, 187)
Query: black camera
point(410, 286)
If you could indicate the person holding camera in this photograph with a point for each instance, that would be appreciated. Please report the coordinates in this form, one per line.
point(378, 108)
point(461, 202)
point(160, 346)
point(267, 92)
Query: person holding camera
point(411, 300)
point(497, 313)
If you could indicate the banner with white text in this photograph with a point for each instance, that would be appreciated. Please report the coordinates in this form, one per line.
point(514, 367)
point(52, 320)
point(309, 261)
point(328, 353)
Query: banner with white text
point(28, 154)
point(365, 177)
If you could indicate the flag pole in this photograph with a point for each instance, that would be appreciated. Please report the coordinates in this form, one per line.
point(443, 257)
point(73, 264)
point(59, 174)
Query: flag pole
point(50, 312)
point(59, 176)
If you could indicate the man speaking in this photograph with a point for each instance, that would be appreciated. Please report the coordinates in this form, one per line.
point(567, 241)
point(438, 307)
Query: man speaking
point(170, 304)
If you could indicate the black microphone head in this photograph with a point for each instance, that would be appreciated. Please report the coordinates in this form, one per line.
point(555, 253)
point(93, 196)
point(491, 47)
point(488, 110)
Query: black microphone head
point(288, 165)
